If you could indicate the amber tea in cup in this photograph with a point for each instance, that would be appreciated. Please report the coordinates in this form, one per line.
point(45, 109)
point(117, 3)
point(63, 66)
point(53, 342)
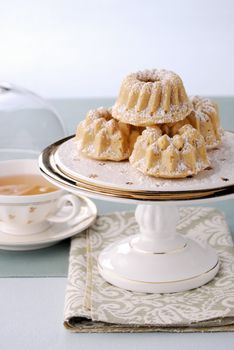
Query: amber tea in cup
point(28, 202)
point(25, 185)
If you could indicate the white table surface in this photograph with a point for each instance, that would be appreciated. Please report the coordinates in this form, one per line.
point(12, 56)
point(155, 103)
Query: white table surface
point(31, 309)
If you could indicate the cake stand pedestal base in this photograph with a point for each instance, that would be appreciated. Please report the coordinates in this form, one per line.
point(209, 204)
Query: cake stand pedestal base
point(157, 259)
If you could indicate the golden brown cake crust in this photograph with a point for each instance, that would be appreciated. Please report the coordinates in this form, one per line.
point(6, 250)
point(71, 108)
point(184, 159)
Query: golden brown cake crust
point(151, 97)
point(101, 137)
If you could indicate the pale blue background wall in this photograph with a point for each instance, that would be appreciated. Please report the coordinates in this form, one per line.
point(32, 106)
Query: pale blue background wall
point(65, 48)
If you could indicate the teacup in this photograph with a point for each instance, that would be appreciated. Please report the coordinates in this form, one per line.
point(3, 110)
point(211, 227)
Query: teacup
point(28, 214)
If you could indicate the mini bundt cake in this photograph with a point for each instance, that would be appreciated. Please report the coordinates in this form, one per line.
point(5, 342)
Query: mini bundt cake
point(161, 156)
point(151, 97)
point(100, 136)
point(205, 118)
point(171, 129)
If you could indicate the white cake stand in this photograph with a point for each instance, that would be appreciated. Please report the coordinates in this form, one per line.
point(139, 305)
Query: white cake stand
point(156, 259)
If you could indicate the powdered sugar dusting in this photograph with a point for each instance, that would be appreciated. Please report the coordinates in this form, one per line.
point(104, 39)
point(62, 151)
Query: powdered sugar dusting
point(146, 118)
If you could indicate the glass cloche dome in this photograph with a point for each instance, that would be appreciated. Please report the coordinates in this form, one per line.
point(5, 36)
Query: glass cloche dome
point(27, 123)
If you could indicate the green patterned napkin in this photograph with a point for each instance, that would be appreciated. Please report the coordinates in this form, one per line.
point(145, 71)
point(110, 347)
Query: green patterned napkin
point(93, 305)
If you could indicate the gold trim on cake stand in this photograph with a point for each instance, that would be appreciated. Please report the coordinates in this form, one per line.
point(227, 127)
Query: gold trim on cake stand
point(137, 263)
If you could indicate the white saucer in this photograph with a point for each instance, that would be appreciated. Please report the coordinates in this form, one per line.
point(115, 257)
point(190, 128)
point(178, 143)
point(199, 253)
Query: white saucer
point(54, 234)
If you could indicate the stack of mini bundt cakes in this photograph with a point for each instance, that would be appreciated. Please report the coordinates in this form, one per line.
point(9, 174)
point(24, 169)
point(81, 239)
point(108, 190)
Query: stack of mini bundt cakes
point(155, 125)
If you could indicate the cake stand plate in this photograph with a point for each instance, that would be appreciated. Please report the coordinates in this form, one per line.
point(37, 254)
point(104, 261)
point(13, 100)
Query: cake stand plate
point(123, 178)
point(156, 259)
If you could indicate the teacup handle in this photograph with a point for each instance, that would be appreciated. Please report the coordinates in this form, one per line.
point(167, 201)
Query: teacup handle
point(75, 208)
